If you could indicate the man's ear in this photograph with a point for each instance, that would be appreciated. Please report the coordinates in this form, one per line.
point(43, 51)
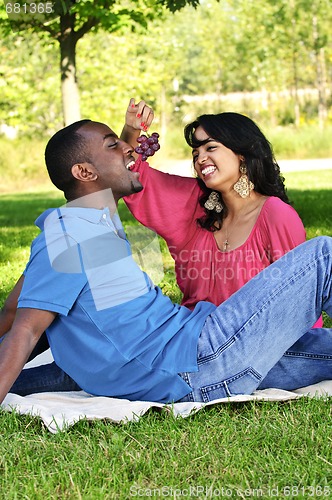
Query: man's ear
point(84, 172)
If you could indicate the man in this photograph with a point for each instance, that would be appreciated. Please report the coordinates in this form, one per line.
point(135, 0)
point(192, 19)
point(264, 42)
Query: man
point(114, 333)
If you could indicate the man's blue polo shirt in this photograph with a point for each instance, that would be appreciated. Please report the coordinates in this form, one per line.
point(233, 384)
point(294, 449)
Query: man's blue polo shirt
point(115, 333)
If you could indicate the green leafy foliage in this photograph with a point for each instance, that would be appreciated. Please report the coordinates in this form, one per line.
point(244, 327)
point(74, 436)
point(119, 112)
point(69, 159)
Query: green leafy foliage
point(29, 82)
point(259, 57)
point(174, 5)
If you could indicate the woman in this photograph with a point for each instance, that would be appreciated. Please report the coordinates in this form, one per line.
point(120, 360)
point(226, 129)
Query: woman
point(229, 223)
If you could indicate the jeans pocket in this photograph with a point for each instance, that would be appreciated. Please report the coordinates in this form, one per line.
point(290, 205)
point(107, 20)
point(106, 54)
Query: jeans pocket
point(244, 382)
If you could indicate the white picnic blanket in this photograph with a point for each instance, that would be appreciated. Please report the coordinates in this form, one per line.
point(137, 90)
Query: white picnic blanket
point(60, 410)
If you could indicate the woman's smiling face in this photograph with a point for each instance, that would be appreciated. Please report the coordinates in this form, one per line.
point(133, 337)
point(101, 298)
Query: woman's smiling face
point(216, 165)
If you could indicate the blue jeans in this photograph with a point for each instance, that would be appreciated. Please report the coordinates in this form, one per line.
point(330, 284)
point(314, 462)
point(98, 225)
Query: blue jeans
point(260, 337)
point(44, 378)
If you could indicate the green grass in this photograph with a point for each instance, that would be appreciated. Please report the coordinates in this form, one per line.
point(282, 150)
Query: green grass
point(240, 447)
point(256, 449)
point(308, 141)
point(289, 142)
point(310, 193)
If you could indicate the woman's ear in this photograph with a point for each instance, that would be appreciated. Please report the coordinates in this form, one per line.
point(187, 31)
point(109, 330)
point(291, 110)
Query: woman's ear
point(84, 172)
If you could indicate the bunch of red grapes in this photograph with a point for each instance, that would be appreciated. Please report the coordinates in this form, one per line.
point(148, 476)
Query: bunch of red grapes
point(147, 145)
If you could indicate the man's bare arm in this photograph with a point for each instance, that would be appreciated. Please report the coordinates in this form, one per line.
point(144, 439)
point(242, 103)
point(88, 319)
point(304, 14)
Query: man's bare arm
point(28, 326)
point(7, 313)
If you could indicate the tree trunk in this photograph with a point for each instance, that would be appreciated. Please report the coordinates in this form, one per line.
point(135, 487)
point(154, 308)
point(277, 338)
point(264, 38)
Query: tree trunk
point(69, 86)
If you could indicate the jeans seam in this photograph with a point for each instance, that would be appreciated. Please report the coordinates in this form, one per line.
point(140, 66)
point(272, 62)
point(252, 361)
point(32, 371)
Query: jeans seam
point(206, 359)
point(307, 355)
point(224, 383)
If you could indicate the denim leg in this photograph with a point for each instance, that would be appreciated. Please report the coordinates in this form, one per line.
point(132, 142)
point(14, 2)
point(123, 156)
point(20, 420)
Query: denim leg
point(43, 378)
point(250, 332)
point(41, 346)
point(306, 362)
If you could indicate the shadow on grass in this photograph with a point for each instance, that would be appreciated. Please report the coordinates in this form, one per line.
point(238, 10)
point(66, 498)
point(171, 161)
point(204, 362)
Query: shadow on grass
point(315, 210)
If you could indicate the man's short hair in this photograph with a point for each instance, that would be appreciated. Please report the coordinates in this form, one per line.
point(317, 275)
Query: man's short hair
point(63, 150)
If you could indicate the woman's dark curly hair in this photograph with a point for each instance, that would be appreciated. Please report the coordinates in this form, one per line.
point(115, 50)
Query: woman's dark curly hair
point(240, 134)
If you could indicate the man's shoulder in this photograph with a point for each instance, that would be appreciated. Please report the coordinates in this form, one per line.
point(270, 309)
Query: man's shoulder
point(47, 215)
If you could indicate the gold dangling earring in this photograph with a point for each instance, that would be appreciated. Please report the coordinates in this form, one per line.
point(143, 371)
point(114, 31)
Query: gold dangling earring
point(243, 186)
point(213, 202)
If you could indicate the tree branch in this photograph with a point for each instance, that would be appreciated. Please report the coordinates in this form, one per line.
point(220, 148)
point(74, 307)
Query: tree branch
point(86, 27)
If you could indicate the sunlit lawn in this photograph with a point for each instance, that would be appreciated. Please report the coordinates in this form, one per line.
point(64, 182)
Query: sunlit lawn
point(246, 449)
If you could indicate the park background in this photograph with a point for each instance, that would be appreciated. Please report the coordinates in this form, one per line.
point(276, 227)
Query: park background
point(268, 59)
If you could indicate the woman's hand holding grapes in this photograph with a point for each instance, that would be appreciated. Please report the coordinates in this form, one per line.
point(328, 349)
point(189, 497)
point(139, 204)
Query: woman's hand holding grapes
point(139, 117)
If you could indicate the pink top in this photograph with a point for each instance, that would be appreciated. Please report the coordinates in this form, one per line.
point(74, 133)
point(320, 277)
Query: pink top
point(169, 205)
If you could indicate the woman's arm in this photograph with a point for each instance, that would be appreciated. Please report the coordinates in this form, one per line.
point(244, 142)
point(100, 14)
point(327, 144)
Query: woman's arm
point(168, 204)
